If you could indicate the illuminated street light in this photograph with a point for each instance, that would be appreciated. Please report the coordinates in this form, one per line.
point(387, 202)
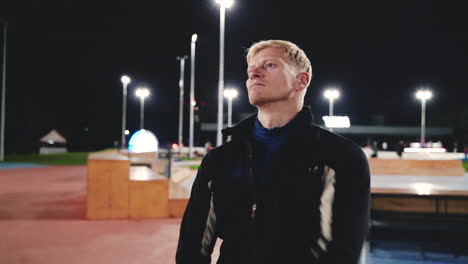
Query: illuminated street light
point(223, 4)
point(192, 92)
point(125, 81)
point(181, 97)
point(331, 95)
point(142, 93)
point(423, 95)
point(230, 94)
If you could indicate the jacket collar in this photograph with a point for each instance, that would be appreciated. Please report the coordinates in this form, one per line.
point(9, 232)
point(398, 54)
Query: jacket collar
point(244, 127)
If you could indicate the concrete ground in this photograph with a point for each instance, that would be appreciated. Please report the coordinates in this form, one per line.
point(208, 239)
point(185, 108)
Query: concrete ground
point(42, 220)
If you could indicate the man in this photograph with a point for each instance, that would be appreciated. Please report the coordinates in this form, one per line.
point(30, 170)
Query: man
point(282, 190)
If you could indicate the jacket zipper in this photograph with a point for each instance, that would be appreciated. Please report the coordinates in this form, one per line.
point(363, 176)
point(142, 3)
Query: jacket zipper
point(254, 210)
point(251, 176)
point(254, 203)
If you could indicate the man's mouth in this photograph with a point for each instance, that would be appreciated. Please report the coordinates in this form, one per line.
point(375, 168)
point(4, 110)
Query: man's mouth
point(256, 84)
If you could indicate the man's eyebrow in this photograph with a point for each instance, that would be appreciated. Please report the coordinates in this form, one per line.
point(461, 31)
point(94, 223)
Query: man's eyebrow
point(267, 59)
point(271, 59)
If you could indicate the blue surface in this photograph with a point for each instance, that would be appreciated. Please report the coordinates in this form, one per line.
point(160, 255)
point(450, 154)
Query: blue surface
point(415, 252)
point(18, 165)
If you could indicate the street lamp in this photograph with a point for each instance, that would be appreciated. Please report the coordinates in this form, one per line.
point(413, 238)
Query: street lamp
point(331, 95)
point(2, 125)
point(230, 94)
point(181, 97)
point(192, 91)
point(423, 95)
point(142, 93)
point(125, 81)
point(223, 4)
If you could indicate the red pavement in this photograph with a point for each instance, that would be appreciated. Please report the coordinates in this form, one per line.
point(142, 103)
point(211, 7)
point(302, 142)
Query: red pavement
point(42, 220)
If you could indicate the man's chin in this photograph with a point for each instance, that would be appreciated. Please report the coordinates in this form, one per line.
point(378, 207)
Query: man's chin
point(258, 101)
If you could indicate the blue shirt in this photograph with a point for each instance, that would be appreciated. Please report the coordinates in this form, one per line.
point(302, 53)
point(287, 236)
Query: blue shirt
point(267, 143)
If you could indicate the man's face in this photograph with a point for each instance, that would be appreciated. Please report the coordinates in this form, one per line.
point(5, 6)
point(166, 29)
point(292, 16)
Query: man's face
point(271, 78)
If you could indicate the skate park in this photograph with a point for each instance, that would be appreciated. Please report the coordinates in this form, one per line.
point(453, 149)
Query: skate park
point(52, 214)
point(80, 80)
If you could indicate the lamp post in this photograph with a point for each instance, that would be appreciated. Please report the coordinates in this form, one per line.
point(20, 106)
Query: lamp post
point(2, 132)
point(331, 95)
point(223, 4)
point(142, 93)
point(192, 92)
point(125, 81)
point(230, 94)
point(181, 98)
point(423, 95)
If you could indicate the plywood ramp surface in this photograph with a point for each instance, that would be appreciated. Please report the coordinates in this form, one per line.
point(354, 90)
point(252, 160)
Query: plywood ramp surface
point(107, 187)
point(416, 167)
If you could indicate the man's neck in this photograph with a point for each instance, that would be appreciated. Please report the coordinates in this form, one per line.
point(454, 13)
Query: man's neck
point(277, 115)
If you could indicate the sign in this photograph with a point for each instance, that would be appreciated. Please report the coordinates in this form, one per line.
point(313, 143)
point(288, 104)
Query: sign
point(336, 121)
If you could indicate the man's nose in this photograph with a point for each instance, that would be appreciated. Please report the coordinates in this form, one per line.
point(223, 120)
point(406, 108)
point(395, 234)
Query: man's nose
point(255, 74)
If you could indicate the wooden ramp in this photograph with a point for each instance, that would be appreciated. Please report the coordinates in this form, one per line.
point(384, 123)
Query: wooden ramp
point(116, 190)
point(416, 167)
point(179, 190)
point(438, 195)
point(148, 194)
point(107, 186)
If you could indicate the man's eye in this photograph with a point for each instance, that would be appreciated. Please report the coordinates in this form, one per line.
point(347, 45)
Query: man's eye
point(269, 65)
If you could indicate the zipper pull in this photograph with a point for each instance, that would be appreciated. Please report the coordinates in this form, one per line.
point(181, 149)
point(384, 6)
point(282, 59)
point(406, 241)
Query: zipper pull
point(313, 170)
point(254, 210)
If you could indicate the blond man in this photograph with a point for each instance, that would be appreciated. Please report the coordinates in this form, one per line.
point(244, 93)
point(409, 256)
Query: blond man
point(283, 190)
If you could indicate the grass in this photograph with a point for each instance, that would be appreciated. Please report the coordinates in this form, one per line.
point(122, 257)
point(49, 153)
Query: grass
point(70, 158)
point(188, 159)
point(194, 167)
point(465, 164)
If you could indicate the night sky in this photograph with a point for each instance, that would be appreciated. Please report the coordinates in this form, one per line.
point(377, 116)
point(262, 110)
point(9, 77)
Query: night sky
point(65, 60)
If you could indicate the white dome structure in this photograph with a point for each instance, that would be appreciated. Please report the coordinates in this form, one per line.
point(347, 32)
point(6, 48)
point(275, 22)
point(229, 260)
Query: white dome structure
point(143, 141)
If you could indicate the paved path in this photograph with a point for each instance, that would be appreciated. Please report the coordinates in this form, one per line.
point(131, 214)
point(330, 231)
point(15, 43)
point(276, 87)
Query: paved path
point(42, 220)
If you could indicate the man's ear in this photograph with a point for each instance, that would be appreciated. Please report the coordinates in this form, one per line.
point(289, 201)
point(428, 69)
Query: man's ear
point(303, 80)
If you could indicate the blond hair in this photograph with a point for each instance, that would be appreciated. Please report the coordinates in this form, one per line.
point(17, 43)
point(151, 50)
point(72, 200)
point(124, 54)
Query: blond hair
point(291, 50)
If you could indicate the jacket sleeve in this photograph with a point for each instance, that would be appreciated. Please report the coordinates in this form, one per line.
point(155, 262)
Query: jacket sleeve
point(197, 232)
point(349, 220)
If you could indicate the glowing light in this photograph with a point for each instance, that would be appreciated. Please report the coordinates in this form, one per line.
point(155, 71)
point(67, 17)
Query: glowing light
point(336, 121)
point(127, 132)
point(143, 141)
point(424, 94)
point(142, 92)
point(175, 146)
point(125, 79)
point(194, 37)
point(423, 188)
point(225, 3)
point(50, 141)
point(230, 93)
point(331, 94)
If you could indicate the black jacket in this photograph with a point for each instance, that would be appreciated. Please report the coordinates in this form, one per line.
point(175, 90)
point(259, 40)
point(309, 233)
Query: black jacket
point(315, 209)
